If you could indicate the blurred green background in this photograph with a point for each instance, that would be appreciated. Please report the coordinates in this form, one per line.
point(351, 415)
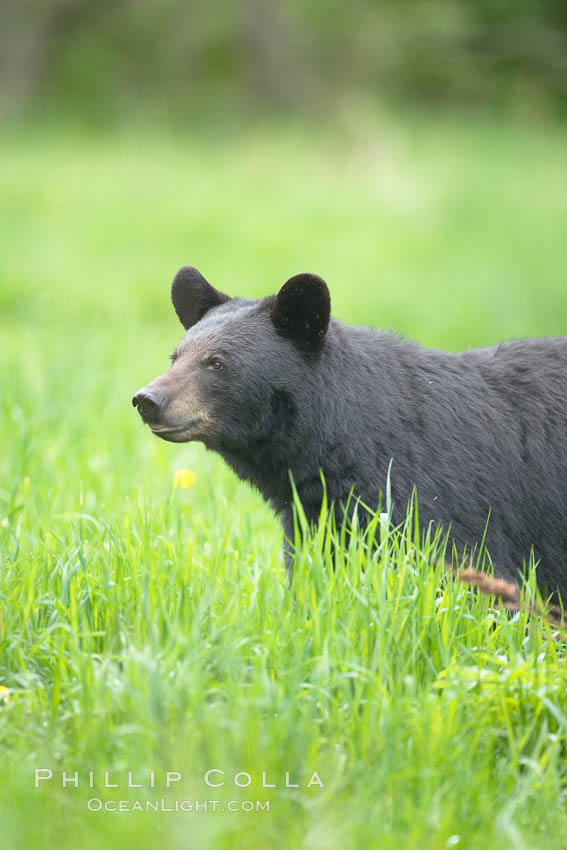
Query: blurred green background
point(415, 155)
point(187, 60)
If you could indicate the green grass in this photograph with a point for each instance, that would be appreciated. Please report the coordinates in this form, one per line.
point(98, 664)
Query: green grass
point(148, 626)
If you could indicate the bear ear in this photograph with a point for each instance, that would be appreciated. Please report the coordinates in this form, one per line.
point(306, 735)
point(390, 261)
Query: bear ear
point(193, 296)
point(302, 310)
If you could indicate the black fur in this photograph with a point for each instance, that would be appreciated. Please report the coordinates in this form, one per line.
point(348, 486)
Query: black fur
point(193, 296)
point(302, 310)
point(477, 433)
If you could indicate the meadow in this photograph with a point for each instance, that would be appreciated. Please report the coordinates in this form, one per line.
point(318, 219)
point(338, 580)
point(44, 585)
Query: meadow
point(145, 623)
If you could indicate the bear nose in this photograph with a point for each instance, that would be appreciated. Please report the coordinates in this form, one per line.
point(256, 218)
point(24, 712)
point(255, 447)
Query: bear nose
point(148, 401)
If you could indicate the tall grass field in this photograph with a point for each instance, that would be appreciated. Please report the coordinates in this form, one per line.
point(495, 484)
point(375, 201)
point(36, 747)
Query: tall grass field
point(160, 686)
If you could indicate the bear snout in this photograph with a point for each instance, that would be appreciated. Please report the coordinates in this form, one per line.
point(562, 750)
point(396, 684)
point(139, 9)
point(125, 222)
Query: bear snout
point(149, 402)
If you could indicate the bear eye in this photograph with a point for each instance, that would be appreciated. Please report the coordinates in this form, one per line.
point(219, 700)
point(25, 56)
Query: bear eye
point(215, 363)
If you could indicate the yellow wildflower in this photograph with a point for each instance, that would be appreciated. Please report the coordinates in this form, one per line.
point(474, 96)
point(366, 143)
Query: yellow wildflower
point(184, 478)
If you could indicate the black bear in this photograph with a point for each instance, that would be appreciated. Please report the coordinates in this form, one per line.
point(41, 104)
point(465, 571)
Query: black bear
point(276, 386)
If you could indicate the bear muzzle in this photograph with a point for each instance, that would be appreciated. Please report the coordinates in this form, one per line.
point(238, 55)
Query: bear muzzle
point(155, 409)
point(149, 402)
